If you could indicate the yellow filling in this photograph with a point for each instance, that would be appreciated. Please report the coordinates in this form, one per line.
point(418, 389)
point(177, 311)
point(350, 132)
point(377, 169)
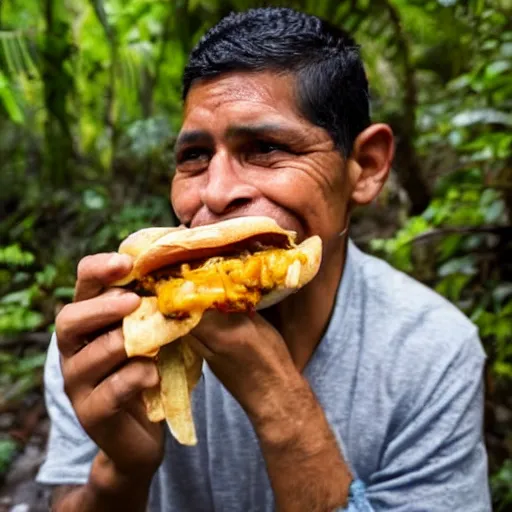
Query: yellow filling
point(233, 284)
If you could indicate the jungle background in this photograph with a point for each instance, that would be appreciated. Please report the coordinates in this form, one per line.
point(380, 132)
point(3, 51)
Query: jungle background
point(89, 110)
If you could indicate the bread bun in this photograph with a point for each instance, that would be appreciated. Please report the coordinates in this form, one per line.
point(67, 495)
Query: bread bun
point(155, 248)
point(147, 329)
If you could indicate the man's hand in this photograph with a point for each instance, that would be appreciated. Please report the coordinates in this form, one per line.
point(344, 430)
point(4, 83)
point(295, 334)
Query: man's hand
point(102, 385)
point(251, 359)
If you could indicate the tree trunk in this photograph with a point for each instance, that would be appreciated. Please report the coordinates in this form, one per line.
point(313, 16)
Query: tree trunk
point(58, 84)
point(410, 173)
point(407, 161)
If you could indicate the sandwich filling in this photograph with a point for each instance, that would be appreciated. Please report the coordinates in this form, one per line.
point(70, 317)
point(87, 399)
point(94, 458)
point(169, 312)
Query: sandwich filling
point(230, 284)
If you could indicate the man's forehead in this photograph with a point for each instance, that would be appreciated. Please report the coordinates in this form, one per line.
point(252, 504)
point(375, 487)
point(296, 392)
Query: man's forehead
point(244, 91)
point(244, 105)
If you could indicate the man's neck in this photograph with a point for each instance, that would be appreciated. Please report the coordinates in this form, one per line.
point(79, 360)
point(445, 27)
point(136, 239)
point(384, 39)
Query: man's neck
point(302, 318)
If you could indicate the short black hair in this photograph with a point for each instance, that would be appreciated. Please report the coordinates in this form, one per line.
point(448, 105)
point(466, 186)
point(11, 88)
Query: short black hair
point(331, 84)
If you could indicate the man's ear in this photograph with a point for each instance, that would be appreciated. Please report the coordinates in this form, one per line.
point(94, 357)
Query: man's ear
point(370, 162)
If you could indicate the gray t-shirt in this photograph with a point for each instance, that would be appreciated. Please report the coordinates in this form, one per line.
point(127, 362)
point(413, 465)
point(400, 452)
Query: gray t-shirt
point(399, 376)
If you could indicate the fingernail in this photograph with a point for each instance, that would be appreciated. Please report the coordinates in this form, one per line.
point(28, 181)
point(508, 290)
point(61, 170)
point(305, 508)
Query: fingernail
point(130, 298)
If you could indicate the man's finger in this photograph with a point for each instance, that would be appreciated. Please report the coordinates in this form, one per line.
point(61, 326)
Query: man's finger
point(97, 272)
point(86, 369)
point(200, 348)
point(214, 322)
point(80, 320)
point(117, 390)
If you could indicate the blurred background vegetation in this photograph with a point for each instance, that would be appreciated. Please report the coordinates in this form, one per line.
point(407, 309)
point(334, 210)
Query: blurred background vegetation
point(89, 110)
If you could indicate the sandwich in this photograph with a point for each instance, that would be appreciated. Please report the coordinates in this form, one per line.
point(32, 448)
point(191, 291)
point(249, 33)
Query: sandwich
point(239, 265)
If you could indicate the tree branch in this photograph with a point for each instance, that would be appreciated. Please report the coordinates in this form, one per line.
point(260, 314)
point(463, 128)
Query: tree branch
point(27, 338)
point(407, 162)
point(111, 36)
point(161, 56)
point(501, 231)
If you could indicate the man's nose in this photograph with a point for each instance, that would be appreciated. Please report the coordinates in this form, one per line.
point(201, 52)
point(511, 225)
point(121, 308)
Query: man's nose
point(225, 188)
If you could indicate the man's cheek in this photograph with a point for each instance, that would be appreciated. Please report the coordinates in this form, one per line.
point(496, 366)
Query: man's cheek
point(185, 199)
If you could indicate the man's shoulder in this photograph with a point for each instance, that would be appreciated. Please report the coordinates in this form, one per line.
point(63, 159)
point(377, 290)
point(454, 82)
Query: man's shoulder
point(411, 340)
point(410, 316)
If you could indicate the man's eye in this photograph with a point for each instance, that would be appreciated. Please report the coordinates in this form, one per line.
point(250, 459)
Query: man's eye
point(263, 147)
point(192, 154)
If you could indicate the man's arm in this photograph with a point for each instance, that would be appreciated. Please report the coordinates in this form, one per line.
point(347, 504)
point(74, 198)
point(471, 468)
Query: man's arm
point(304, 463)
point(59, 493)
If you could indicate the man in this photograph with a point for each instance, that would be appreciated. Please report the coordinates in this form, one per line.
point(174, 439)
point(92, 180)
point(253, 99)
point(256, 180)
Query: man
point(363, 391)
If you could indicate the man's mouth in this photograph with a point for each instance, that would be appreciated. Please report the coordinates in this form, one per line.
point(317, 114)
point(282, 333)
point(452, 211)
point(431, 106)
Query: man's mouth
point(284, 219)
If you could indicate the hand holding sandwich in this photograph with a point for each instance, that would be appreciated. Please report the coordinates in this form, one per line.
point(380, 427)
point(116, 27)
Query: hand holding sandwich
point(252, 361)
point(104, 388)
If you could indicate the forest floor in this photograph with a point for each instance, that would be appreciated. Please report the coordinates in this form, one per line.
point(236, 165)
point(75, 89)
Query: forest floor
point(26, 421)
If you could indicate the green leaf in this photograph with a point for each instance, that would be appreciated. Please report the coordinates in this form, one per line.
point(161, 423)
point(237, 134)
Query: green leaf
point(8, 449)
point(506, 49)
point(507, 310)
point(449, 246)
point(64, 293)
point(502, 292)
point(93, 200)
point(497, 68)
point(22, 298)
point(503, 369)
point(47, 276)
point(495, 212)
point(503, 328)
point(19, 319)
point(452, 286)
point(7, 52)
point(464, 265)
point(14, 256)
point(9, 101)
point(30, 363)
point(482, 115)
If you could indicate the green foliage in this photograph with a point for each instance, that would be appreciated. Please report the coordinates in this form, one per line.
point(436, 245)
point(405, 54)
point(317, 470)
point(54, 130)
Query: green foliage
point(90, 106)
point(501, 485)
point(466, 255)
point(18, 376)
point(16, 313)
point(8, 449)
point(13, 255)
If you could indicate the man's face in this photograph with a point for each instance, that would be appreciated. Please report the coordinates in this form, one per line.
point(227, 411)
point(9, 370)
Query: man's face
point(244, 149)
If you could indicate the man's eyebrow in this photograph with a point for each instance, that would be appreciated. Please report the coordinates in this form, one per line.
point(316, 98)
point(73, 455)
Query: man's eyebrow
point(194, 137)
point(273, 130)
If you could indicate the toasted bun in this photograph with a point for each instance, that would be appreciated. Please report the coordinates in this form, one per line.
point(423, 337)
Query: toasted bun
point(183, 245)
point(140, 240)
point(146, 329)
point(312, 248)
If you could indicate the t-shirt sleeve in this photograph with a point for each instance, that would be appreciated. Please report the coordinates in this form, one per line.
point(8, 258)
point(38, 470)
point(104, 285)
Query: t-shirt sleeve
point(70, 451)
point(435, 458)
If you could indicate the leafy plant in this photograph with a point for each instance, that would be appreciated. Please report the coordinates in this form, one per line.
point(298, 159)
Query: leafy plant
point(90, 105)
point(8, 449)
point(501, 485)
